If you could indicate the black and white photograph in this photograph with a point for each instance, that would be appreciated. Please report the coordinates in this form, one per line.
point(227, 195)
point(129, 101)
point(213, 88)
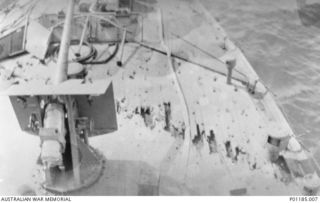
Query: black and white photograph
point(160, 98)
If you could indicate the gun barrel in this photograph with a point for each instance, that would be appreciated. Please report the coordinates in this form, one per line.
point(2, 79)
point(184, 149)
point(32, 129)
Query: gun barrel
point(62, 69)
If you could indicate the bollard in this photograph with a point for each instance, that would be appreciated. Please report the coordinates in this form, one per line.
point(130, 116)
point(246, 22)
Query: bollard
point(230, 65)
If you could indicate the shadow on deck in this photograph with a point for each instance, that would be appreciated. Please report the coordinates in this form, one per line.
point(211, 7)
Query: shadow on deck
point(133, 178)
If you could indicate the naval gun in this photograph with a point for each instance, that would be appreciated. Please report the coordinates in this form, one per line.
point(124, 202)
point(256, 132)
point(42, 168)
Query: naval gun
point(68, 110)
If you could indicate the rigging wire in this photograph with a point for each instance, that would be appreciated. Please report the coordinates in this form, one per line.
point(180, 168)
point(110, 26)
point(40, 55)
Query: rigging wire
point(207, 53)
point(245, 82)
point(196, 47)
